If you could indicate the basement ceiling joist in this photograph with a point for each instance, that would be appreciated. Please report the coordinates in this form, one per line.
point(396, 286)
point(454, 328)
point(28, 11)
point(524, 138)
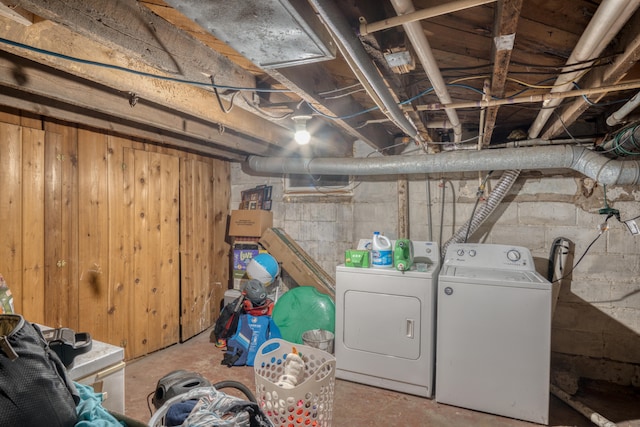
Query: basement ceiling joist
point(518, 47)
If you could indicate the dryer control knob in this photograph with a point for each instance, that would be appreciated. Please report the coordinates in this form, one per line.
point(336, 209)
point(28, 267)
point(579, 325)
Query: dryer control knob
point(460, 252)
point(472, 252)
point(513, 255)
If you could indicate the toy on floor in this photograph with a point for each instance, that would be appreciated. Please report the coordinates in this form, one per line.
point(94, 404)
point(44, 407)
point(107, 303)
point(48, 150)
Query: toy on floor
point(293, 370)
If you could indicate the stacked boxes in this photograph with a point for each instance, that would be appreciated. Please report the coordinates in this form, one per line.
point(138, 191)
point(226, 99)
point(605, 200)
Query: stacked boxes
point(245, 228)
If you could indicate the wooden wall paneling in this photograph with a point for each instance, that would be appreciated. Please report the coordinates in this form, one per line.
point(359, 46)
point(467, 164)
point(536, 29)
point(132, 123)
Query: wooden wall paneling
point(142, 288)
point(11, 210)
point(61, 225)
point(56, 293)
point(188, 248)
point(33, 284)
point(207, 291)
point(120, 245)
point(197, 216)
point(221, 195)
point(93, 242)
point(164, 298)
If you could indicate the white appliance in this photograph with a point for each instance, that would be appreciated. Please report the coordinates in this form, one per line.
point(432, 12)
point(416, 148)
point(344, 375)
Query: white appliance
point(102, 368)
point(493, 332)
point(385, 324)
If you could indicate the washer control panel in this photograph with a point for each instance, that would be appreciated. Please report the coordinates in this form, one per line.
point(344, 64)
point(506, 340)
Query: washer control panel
point(481, 255)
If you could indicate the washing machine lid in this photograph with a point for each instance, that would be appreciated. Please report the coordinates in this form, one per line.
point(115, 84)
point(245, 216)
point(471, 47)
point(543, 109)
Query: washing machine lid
point(489, 276)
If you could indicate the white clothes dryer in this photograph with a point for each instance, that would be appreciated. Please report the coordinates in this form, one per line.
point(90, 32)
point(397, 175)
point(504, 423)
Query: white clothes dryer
point(493, 332)
point(385, 324)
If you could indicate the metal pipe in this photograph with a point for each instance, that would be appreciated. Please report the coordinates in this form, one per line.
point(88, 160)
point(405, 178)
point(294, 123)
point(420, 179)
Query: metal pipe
point(529, 98)
point(419, 15)
point(624, 111)
point(580, 159)
point(605, 24)
point(352, 46)
point(421, 46)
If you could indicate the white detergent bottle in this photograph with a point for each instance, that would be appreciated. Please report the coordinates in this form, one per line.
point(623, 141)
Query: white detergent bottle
point(381, 252)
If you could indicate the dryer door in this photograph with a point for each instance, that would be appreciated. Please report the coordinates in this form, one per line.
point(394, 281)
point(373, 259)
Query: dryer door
point(382, 323)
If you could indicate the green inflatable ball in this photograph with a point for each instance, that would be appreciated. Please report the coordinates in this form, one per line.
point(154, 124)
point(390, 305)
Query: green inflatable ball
point(302, 309)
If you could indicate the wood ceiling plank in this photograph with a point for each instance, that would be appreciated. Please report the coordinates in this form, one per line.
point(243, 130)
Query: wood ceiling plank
point(181, 97)
point(12, 10)
point(132, 29)
point(506, 25)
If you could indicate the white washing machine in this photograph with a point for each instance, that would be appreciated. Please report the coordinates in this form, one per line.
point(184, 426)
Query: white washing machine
point(385, 324)
point(493, 332)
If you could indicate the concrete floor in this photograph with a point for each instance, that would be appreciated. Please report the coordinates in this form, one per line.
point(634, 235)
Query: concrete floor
point(361, 405)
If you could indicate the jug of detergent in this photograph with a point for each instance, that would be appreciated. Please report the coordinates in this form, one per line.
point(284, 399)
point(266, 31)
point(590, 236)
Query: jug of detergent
point(381, 251)
point(403, 254)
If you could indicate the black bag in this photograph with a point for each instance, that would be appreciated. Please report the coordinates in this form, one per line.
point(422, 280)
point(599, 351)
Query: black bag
point(227, 322)
point(35, 390)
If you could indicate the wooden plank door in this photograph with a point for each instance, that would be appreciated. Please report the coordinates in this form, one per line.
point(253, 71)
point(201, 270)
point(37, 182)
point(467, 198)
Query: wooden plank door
point(196, 247)
point(153, 182)
point(204, 205)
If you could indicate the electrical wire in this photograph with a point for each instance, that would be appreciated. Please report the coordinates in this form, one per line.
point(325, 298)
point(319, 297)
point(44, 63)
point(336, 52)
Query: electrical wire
point(582, 256)
point(139, 73)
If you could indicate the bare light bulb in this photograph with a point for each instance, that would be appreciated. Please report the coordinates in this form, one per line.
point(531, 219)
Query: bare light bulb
point(302, 135)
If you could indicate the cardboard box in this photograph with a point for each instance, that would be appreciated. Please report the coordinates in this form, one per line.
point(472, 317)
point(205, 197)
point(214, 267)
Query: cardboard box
point(296, 262)
point(250, 223)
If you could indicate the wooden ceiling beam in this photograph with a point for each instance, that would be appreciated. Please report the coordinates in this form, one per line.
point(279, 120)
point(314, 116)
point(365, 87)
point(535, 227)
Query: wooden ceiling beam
point(133, 30)
point(506, 24)
point(186, 98)
point(56, 92)
point(12, 10)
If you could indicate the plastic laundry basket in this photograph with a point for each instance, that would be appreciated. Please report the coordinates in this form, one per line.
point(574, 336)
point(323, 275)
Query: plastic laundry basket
point(309, 403)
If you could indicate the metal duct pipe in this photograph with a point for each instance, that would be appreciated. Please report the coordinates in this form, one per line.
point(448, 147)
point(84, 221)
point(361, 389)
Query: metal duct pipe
point(422, 48)
point(580, 159)
point(341, 29)
point(605, 24)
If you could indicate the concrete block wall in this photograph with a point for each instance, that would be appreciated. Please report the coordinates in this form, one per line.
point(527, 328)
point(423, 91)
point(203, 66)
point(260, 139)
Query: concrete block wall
point(596, 327)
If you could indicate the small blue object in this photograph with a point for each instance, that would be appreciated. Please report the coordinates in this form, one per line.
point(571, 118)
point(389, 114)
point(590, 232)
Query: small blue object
point(263, 268)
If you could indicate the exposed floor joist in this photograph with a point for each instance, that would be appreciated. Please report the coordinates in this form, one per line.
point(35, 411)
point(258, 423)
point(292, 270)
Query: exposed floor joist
point(506, 21)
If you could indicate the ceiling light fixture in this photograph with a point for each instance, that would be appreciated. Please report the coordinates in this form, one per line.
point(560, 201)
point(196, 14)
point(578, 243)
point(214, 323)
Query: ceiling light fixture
point(302, 135)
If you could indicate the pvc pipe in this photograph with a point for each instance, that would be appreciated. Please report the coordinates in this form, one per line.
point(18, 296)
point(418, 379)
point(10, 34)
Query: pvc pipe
point(580, 159)
point(592, 415)
point(421, 46)
point(419, 15)
point(341, 29)
point(605, 24)
point(624, 111)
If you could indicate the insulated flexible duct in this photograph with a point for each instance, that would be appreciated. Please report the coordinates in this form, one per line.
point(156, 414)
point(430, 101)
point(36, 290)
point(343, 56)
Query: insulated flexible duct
point(493, 200)
point(580, 159)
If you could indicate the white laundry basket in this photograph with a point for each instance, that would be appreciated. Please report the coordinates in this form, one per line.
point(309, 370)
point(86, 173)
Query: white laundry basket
point(309, 403)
